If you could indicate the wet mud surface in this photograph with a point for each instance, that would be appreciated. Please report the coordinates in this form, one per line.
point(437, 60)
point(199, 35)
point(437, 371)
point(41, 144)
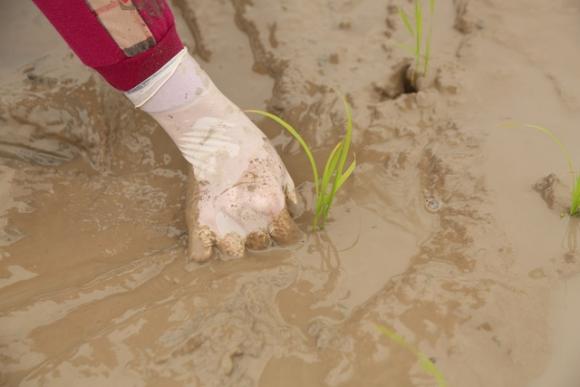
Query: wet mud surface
point(449, 233)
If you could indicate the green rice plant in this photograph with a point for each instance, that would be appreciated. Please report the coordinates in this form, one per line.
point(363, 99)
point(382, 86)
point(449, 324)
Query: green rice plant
point(575, 203)
point(422, 37)
point(426, 364)
point(575, 194)
point(335, 172)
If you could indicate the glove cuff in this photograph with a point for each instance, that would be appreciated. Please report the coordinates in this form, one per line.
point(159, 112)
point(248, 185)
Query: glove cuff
point(146, 90)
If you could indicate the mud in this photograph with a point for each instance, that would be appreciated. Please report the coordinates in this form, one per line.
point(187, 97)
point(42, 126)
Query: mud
point(441, 235)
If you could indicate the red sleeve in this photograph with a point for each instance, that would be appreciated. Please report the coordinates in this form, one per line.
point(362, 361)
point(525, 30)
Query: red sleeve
point(126, 41)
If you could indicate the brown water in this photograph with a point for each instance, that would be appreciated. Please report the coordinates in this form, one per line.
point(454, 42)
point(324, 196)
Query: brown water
point(439, 236)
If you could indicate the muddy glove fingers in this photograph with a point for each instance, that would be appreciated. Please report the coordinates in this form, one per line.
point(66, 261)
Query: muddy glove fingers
point(201, 243)
point(283, 229)
point(249, 215)
point(258, 240)
point(202, 240)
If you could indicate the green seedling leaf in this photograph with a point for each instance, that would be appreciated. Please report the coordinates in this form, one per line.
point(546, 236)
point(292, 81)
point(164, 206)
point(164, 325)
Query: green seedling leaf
point(330, 167)
point(347, 138)
point(427, 56)
point(557, 141)
point(405, 18)
point(394, 336)
point(322, 211)
point(419, 35)
point(422, 36)
point(339, 171)
point(430, 368)
point(426, 364)
point(431, 7)
point(575, 206)
point(329, 171)
point(346, 174)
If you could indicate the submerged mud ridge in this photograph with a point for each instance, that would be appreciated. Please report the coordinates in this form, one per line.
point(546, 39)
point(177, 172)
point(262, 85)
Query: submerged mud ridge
point(440, 236)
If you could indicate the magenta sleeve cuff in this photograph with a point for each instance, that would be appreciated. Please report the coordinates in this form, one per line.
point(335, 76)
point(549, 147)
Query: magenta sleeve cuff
point(126, 41)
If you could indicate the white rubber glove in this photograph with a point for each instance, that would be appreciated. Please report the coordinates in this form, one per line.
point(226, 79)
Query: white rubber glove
point(238, 196)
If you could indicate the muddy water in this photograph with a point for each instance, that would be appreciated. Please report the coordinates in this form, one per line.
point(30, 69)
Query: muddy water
point(439, 236)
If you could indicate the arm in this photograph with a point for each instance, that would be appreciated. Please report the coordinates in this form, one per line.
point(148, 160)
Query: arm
point(238, 197)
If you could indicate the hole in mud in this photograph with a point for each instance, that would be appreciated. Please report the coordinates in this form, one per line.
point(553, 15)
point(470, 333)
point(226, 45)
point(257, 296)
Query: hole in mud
point(409, 87)
point(398, 84)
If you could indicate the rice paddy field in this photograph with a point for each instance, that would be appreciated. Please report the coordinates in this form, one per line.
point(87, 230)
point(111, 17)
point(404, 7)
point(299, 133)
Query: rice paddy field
point(449, 257)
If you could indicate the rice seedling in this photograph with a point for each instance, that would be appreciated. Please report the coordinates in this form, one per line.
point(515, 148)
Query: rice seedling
point(575, 194)
point(422, 37)
point(335, 172)
point(426, 364)
point(575, 204)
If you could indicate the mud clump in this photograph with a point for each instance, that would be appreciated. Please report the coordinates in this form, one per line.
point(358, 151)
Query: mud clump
point(554, 193)
point(465, 22)
point(404, 81)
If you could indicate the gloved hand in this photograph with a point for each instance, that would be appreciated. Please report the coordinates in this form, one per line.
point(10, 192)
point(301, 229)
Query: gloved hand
point(238, 186)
